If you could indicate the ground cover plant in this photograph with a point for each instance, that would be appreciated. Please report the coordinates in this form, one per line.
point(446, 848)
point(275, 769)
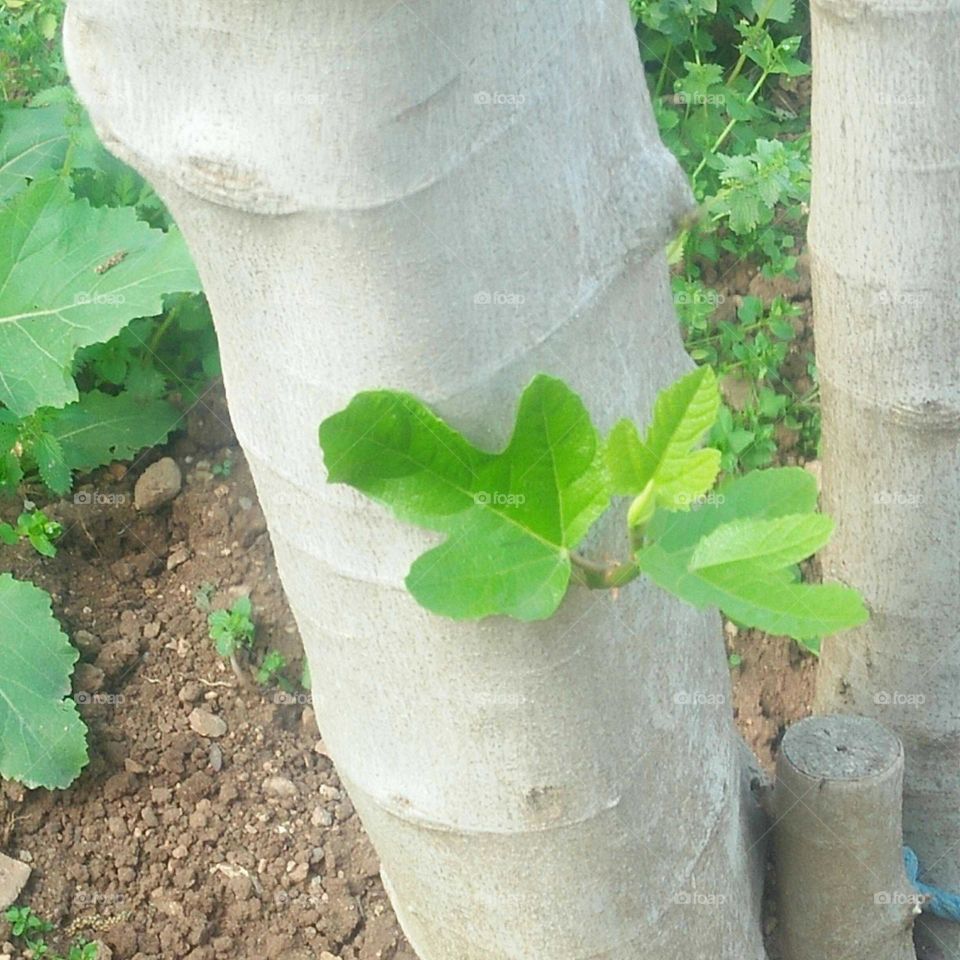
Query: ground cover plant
point(730, 94)
point(105, 339)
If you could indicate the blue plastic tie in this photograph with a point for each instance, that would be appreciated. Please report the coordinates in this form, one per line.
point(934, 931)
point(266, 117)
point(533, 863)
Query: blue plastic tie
point(941, 903)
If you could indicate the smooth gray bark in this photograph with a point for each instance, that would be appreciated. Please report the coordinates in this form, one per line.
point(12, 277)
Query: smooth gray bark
point(447, 198)
point(885, 248)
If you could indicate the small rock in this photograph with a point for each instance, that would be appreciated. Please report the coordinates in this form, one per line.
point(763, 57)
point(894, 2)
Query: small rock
point(327, 955)
point(308, 719)
point(103, 951)
point(13, 878)
point(300, 872)
point(216, 758)
point(120, 785)
point(190, 692)
point(178, 557)
point(328, 793)
point(321, 817)
point(207, 724)
point(241, 885)
point(279, 787)
point(180, 852)
point(88, 678)
point(117, 655)
point(249, 525)
point(133, 766)
point(157, 485)
point(123, 571)
point(151, 631)
point(129, 625)
point(87, 643)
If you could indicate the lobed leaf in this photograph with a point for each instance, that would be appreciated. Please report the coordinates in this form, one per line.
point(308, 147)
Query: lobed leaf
point(510, 518)
point(682, 414)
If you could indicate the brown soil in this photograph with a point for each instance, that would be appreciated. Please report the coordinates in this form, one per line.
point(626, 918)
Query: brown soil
point(176, 846)
point(173, 845)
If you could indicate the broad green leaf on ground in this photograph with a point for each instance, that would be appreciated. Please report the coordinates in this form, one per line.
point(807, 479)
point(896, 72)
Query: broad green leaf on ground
point(511, 518)
point(52, 464)
point(683, 413)
point(33, 141)
point(42, 738)
point(726, 554)
point(72, 275)
point(101, 427)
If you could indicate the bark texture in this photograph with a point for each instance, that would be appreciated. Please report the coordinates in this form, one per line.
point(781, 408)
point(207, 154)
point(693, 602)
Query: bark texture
point(446, 198)
point(841, 887)
point(885, 247)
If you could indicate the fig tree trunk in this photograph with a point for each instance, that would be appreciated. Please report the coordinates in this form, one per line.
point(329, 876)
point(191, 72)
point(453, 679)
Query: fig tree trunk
point(885, 248)
point(447, 198)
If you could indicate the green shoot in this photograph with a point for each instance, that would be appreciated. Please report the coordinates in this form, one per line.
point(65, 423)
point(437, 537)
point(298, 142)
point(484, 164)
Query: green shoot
point(232, 633)
point(35, 527)
point(513, 520)
point(270, 670)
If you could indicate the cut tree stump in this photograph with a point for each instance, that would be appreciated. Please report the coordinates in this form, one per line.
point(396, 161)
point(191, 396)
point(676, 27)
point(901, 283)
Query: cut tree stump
point(841, 886)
